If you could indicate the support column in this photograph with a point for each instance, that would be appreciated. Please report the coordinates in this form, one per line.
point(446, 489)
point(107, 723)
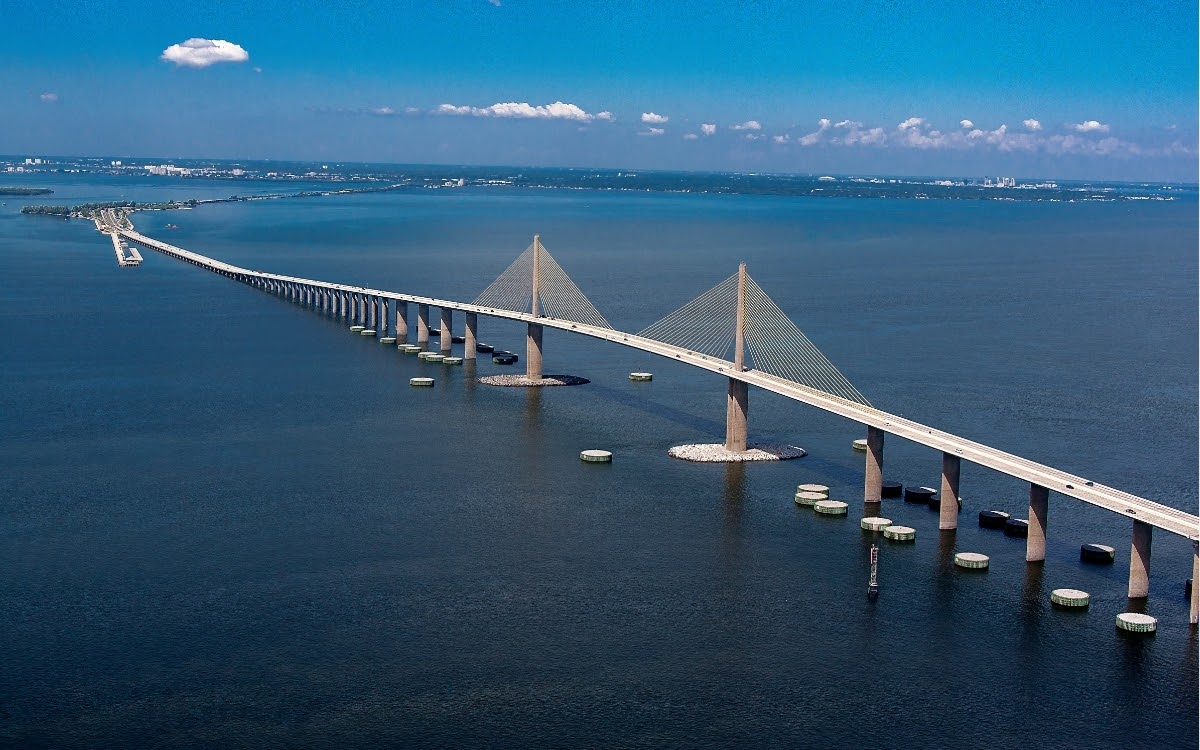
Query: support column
point(372, 305)
point(469, 337)
point(533, 338)
point(342, 303)
point(873, 486)
point(948, 517)
point(1039, 504)
point(737, 402)
point(447, 339)
point(1139, 561)
point(533, 352)
point(737, 405)
point(384, 317)
point(422, 324)
point(401, 322)
point(1194, 611)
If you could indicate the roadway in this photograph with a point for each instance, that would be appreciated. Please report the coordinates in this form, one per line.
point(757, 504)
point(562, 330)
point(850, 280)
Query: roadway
point(1110, 498)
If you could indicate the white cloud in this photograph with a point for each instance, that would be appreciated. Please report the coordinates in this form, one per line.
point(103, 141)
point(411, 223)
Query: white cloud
point(606, 116)
point(747, 125)
point(524, 111)
point(1032, 124)
point(966, 124)
point(822, 125)
point(49, 97)
point(651, 118)
point(1090, 126)
point(382, 111)
point(754, 136)
point(652, 131)
point(781, 138)
point(848, 124)
point(690, 136)
point(708, 128)
point(495, 3)
point(911, 123)
point(256, 69)
point(200, 53)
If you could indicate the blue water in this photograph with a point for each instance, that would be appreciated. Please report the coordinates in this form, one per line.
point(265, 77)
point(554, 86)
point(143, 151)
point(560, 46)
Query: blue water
point(225, 521)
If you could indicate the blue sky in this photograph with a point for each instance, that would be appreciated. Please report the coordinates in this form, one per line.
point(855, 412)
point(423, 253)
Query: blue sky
point(1032, 89)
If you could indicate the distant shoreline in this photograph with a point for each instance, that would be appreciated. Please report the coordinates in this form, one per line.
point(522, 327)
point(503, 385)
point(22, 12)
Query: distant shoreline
point(25, 191)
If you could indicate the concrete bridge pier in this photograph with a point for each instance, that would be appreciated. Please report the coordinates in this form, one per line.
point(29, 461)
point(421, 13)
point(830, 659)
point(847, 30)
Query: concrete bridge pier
point(948, 516)
point(372, 305)
point(384, 316)
point(1139, 561)
point(873, 485)
point(447, 336)
point(422, 324)
point(342, 308)
point(737, 407)
point(401, 322)
point(1194, 609)
point(469, 336)
point(737, 399)
point(533, 352)
point(1039, 505)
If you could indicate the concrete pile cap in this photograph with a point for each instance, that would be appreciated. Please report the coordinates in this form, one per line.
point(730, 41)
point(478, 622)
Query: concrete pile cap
point(809, 498)
point(596, 456)
point(859, 445)
point(973, 560)
point(420, 381)
point(830, 507)
point(900, 533)
point(1070, 598)
point(367, 332)
point(388, 340)
point(357, 328)
point(875, 523)
point(641, 377)
point(452, 360)
point(1135, 622)
point(812, 488)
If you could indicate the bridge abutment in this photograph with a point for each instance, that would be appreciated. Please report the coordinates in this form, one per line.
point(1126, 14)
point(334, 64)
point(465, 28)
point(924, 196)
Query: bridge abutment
point(1039, 506)
point(948, 505)
point(470, 336)
point(1139, 561)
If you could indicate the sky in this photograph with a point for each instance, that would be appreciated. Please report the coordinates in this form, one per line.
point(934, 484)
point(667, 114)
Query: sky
point(1055, 89)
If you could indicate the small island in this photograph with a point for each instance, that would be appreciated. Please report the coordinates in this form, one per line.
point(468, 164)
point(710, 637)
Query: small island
point(24, 191)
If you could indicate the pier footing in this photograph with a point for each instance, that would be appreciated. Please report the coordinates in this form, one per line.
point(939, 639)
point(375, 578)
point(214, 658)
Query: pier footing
point(718, 453)
point(522, 381)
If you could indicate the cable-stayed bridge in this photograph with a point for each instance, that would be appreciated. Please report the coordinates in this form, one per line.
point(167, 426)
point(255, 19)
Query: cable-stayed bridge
point(715, 332)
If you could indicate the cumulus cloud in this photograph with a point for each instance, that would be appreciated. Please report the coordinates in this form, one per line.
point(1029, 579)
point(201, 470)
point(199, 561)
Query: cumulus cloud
point(652, 131)
point(690, 136)
point(708, 128)
point(1090, 126)
point(1032, 124)
point(966, 124)
point(781, 138)
point(382, 111)
point(524, 111)
point(606, 116)
point(754, 136)
point(200, 53)
point(651, 118)
point(747, 125)
point(814, 137)
point(49, 97)
point(911, 123)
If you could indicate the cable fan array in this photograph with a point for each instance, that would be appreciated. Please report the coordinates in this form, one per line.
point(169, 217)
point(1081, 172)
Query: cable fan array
point(558, 296)
point(776, 345)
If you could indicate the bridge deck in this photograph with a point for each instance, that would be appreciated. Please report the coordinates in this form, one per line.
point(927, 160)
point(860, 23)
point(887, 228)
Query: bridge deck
point(1126, 504)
